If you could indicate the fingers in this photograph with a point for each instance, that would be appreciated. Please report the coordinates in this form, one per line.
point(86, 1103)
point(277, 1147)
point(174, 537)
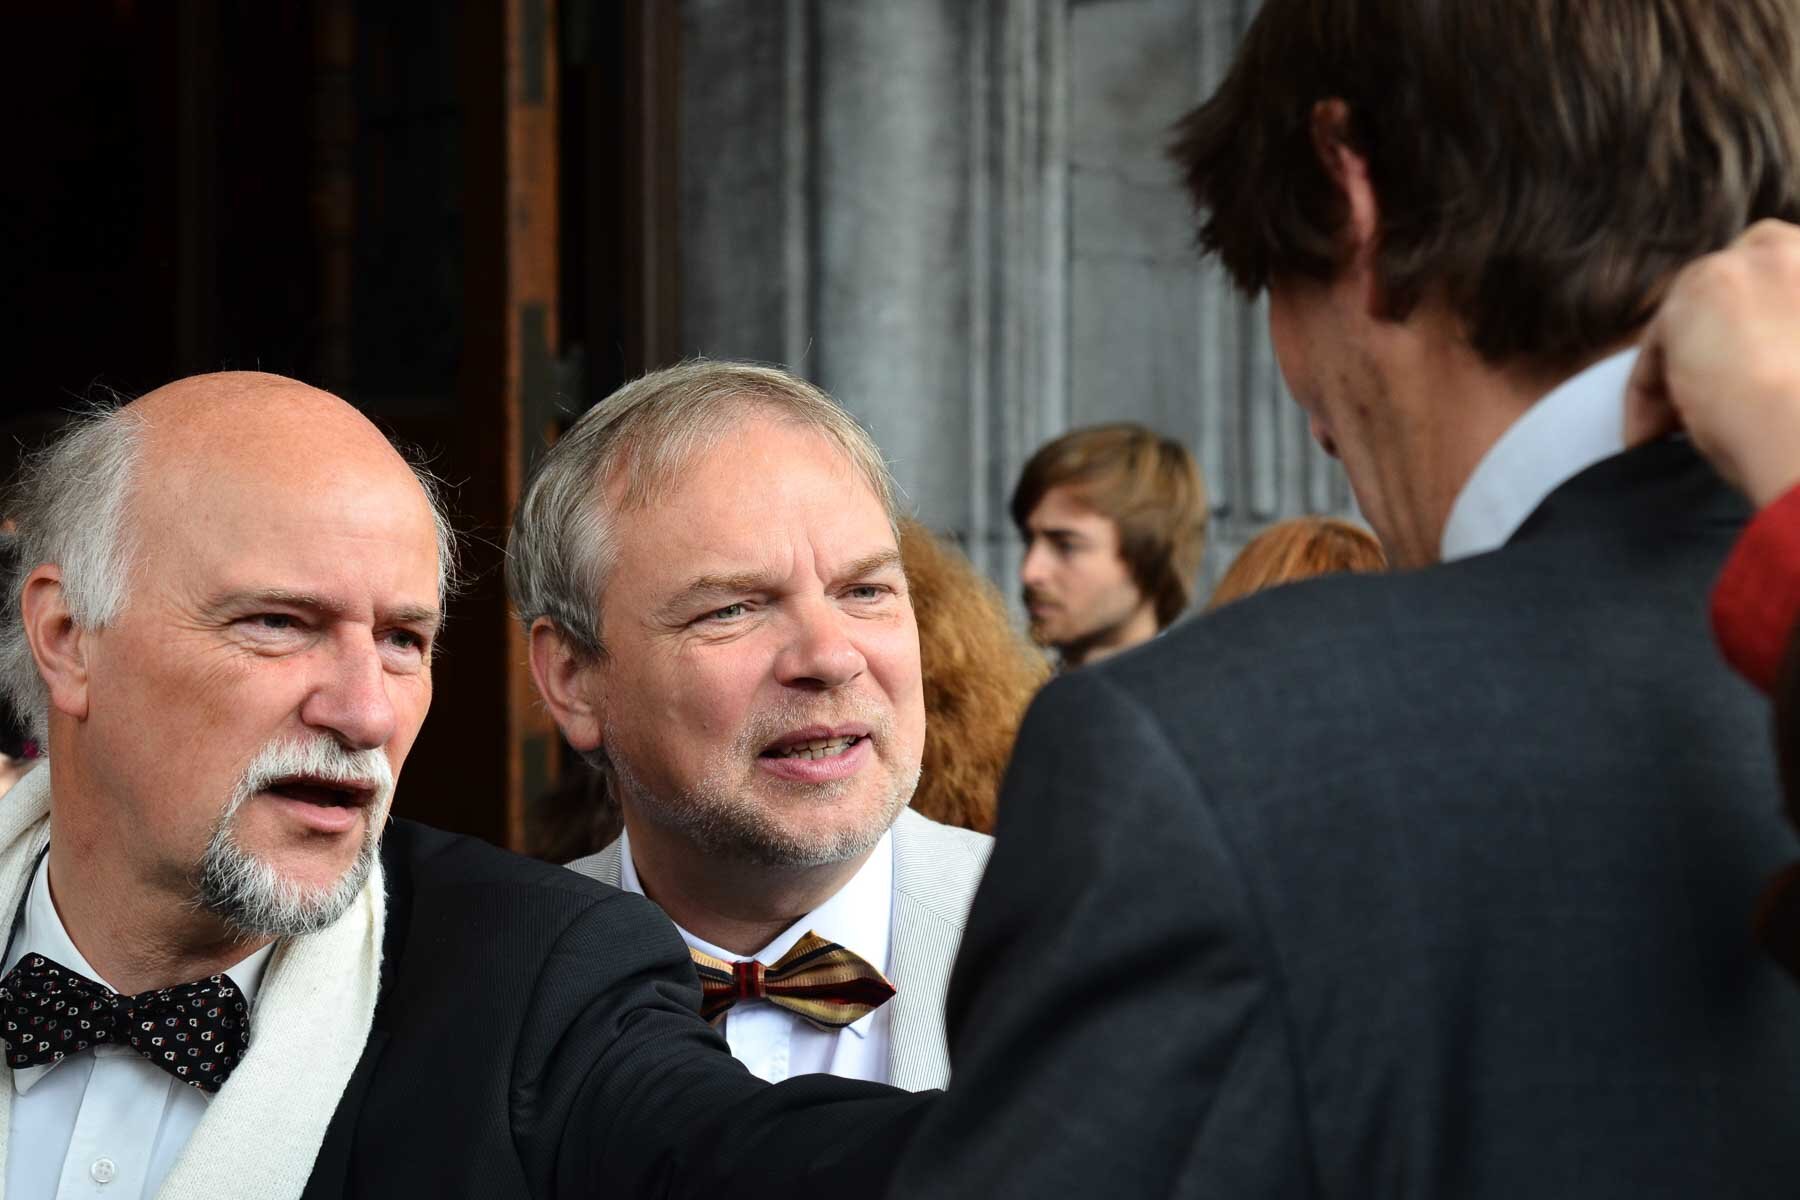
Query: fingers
point(1721, 359)
point(1649, 412)
point(1768, 232)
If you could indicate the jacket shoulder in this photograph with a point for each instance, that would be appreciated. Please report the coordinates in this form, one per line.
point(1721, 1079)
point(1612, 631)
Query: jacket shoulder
point(434, 877)
point(915, 827)
point(470, 902)
point(435, 857)
point(602, 864)
point(1316, 629)
point(957, 849)
point(937, 867)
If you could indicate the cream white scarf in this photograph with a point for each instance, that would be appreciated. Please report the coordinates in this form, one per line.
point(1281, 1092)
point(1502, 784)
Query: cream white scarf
point(263, 1129)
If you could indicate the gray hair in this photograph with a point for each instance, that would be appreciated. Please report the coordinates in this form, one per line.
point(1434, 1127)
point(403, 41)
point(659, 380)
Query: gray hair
point(69, 506)
point(562, 543)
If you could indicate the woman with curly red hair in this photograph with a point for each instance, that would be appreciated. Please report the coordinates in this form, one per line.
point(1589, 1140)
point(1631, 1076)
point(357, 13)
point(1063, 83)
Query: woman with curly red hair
point(979, 674)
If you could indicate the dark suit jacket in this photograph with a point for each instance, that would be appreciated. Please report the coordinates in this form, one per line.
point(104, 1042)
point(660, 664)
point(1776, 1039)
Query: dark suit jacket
point(1428, 885)
point(1778, 915)
point(536, 1036)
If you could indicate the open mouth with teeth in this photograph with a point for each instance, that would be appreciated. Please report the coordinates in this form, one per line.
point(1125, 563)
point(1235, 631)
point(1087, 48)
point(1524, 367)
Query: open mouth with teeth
point(817, 748)
point(321, 792)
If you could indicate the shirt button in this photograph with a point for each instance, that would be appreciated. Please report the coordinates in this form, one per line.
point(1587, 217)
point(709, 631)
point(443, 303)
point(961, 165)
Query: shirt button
point(103, 1170)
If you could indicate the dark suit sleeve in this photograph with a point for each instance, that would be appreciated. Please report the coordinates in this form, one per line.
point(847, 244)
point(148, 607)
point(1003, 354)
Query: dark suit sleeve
point(619, 1088)
point(1114, 1027)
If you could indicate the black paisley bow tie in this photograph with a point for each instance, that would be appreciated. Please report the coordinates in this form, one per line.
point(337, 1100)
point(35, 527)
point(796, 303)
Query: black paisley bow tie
point(196, 1032)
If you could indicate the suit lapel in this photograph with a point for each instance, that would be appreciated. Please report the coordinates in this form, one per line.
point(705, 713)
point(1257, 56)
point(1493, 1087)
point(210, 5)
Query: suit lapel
point(263, 1131)
point(917, 1056)
point(24, 832)
point(924, 946)
point(330, 1176)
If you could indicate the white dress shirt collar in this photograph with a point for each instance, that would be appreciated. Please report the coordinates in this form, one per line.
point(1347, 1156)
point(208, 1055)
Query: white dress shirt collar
point(858, 916)
point(1577, 424)
point(41, 931)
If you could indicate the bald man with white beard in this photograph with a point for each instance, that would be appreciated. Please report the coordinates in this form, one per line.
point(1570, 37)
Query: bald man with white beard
point(229, 972)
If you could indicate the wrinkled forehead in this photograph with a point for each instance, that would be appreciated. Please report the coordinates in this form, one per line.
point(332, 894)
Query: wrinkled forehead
point(761, 495)
point(212, 495)
point(293, 492)
point(648, 471)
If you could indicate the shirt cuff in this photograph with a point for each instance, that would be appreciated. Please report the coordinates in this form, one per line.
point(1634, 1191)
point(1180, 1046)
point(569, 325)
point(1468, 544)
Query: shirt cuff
point(1757, 597)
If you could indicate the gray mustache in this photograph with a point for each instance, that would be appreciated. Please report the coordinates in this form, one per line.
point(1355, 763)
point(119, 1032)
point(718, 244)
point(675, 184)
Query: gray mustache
point(321, 758)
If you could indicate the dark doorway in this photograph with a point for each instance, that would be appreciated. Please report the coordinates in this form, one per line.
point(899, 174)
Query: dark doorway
point(399, 202)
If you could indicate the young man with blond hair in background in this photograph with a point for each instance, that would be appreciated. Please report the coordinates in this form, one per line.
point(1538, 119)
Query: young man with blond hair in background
point(1114, 522)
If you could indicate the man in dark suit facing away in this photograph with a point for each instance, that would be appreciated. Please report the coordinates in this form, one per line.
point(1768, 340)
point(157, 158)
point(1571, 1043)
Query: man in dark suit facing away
point(1438, 883)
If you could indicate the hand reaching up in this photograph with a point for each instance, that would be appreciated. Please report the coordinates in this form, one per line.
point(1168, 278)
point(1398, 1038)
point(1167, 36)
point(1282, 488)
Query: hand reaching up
point(1721, 359)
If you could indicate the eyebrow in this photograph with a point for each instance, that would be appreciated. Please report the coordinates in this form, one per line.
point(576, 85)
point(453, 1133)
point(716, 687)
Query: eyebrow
point(424, 615)
point(869, 564)
point(706, 586)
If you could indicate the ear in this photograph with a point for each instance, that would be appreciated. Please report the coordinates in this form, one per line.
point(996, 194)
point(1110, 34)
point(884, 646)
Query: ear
point(1348, 168)
point(570, 684)
point(57, 643)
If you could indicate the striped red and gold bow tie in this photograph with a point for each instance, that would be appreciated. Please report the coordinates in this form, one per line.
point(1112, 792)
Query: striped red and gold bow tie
point(824, 984)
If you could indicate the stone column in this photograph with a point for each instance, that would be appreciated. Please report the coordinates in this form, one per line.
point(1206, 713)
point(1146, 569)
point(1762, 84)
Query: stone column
point(956, 217)
point(893, 294)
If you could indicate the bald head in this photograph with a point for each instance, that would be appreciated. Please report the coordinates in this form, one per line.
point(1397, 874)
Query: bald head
point(256, 421)
point(187, 460)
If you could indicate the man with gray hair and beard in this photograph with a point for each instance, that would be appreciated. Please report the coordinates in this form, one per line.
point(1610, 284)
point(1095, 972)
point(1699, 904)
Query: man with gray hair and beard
point(222, 977)
point(707, 568)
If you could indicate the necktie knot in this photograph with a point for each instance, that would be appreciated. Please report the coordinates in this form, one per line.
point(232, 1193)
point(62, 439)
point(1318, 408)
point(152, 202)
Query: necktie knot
point(749, 980)
point(823, 983)
point(197, 1031)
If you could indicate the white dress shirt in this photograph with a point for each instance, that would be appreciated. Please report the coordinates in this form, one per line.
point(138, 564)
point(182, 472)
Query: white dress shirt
point(775, 1043)
point(1577, 424)
point(105, 1123)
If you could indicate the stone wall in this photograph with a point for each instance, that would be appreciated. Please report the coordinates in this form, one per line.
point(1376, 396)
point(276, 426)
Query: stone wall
point(955, 216)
